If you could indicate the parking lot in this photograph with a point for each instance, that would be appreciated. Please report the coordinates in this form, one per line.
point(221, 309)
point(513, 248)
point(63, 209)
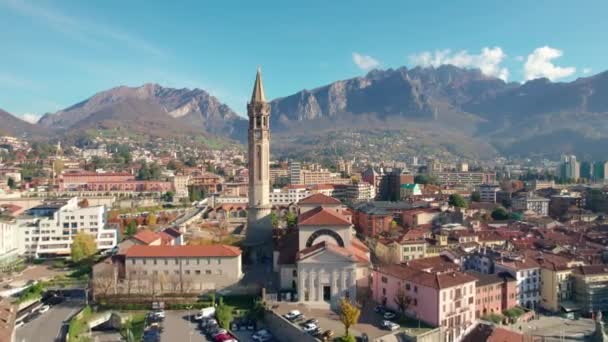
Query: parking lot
point(48, 327)
point(178, 326)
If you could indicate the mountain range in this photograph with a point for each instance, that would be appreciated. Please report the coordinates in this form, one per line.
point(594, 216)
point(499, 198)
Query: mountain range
point(431, 110)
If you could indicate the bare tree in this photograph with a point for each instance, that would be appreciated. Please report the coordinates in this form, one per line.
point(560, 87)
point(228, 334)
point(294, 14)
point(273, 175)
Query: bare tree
point(103, 281)
point(402, 300)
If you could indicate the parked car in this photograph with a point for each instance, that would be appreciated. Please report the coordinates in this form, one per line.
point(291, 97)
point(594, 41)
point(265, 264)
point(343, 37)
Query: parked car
point(388, 325)
point(310, 327)
point(389, 315)
point(258, 335)
point(379, 309)
point(316, 332)
point(44, 309)
point(159, 313)
point(219, 332)
point(313, 321)
point(293, 315)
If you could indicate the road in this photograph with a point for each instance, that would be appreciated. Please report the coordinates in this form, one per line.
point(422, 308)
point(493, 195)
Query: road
point(48, 327)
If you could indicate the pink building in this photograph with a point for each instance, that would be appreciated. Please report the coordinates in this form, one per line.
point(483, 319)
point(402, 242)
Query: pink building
point(439, 299)
point(494, 293)
point(111, 181)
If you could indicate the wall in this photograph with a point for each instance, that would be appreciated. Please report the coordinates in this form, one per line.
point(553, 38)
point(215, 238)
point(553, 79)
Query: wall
point(283, 330)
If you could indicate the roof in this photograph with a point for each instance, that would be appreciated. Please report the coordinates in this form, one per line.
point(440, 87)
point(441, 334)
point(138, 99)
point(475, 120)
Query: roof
point(485, 279)
point(492, 333)
point(319, 199)
point(146, 236)
point(591, 270)
point(258, 88)
point(432, 280)
point(322, 217)
point(141, 251)
point(353, 254)
point(409, 186)
point(8, 313)
point(439, 263)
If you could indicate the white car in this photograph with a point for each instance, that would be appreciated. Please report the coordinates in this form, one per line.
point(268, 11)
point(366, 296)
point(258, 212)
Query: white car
point(44, 309)
point(389, 315)
point(310, 327)
point(392, 326)
point(260, 334)
point(293, 314)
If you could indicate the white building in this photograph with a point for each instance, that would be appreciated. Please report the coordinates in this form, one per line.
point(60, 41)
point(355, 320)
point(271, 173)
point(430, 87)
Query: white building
point(531, 202)
point(288, 195)
point(322, 261)
point(527, 274)
point(49, 229)
point(10, 246)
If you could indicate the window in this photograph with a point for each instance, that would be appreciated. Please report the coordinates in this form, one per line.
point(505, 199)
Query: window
point(145, 272)
point(132, 261)
point(384, 280)
point(207, 271)
point(415, 302)
point(176, 261)
point(415, 288)
point(166, 272)
point(187, 271)
point(166, 262)
point(407, 286)
point(294, 273)
point(471, 300)
point(219, 261)
point(383, 291)
point(155, 272)
point(144, 261)
point(176, 272)
point(197, 272)
point(154, 261)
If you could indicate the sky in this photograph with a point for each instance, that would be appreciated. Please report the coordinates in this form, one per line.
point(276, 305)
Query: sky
point(56, 53)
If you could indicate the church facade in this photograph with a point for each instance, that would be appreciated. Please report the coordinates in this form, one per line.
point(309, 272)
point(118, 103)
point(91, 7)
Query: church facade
point(321, 260)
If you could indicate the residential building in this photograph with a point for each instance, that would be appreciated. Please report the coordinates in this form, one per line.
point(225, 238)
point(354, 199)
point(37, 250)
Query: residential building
point(526, 272)
point(288, 195)
point(531, 202)
point(487, 192)
point(180, 185)
point(387, 182)
point(8, 315)
point(110, 182)
point(494, 293)
point(445, 300)
point(570, 168)
point(557, 291)
point(11, 248)
point(586, 170)
point(537, 184)
point(359, 192)
point(591, 288)
point(465, 178)
point(295, 176)
point(49, 229)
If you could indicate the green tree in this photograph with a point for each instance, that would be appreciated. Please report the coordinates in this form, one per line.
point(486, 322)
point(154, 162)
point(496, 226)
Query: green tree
point(291, 219)
point(11, 183)
point(144, 171)
point(516, 216)
point(457, 200)
point(126, 331)
point(349, 314)
point(500, 214)
point(223, 313)
point(274, 220)
point(83, 247)
point(131, 228)
point(168, 196)
point(424, 178)
point(475, 196)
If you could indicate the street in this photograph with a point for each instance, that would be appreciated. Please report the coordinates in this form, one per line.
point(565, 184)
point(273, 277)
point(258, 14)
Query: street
point(48, 327)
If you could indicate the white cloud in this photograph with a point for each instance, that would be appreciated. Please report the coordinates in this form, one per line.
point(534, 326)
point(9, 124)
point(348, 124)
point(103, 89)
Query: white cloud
point(488, 60)
point(587, 71)
point(30, 117)
point(520, 58)
point(540, 64)
point(365, 62)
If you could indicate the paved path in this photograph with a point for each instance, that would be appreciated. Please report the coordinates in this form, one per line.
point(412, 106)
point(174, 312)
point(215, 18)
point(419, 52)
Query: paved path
point(48, 326)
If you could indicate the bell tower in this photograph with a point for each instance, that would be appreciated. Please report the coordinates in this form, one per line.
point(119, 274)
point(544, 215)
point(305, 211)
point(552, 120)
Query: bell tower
point(259, 226)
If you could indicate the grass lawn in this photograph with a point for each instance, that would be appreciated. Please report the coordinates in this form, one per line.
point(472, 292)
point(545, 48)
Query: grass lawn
point(413, 325)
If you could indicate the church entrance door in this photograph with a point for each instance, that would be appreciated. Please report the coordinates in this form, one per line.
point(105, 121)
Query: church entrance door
point(327, 293)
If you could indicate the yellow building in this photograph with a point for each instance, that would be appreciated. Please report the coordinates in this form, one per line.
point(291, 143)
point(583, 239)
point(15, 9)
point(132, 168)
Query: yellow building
point(557, 282)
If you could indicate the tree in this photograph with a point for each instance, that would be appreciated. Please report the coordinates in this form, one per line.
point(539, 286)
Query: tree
point(349, 314)
point(84, 203)
point(425, 179)
point(83, 247)
point(500, 214)
point(126, 331)
point(224, 314)
point(131, 228)
point(168, 196)
point(11, 183)
point(151, 219)
point(516, 216)
point(274, 220)
point(402, 300)
point(475, 196)
point(291, 219)
point(457, 200)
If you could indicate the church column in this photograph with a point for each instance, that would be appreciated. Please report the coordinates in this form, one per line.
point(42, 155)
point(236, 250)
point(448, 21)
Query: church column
point(311, 285)
point(334, 287)
point(343, 285)
point(301, 287)
point(353, 284)
point(319, 286)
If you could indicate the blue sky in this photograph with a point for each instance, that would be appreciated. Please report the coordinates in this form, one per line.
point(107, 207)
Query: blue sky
point(56, 53)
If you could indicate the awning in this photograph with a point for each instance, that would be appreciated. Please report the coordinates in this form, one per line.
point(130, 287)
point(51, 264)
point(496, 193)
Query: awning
point(569, 306)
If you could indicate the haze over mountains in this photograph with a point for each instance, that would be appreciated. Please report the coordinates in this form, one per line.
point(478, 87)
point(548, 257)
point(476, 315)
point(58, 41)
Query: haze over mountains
point(464, 111)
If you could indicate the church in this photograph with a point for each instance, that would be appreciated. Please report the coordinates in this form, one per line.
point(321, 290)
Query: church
point(320, 261)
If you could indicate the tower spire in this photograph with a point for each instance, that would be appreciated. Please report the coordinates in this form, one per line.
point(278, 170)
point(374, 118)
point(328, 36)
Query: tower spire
point(258, 89)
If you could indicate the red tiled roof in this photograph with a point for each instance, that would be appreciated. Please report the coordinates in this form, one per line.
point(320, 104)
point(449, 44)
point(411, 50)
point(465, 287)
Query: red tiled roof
point(146, 236)
point(504, 335)
point(350, 253)
point(432, 280)
point(319, 199)
point(322, 217)
point(140, 251)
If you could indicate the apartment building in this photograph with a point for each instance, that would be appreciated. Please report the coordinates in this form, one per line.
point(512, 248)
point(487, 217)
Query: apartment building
point(465, 178)
point(49, 229)
point(591, 288)
point(494, 293)
point(531, 202)
point(526, 272)
point(445, 300)
point(10, 245)
point(487, 193)
point(288, 195)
